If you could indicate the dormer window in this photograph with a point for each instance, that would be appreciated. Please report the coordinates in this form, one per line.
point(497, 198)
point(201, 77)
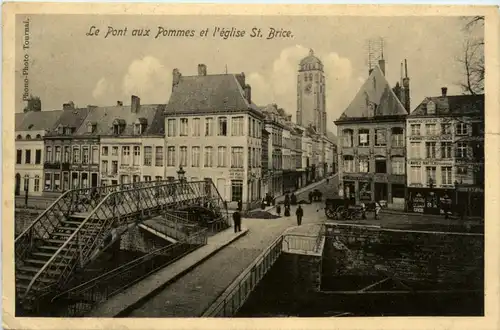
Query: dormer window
point(91, 126)
point(60, 129)
point(431, 108)
point(140, 126)
point(68, 130)
point(118, 126)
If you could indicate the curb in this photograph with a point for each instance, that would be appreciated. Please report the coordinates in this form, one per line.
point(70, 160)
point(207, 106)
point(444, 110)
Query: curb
point(139, 301)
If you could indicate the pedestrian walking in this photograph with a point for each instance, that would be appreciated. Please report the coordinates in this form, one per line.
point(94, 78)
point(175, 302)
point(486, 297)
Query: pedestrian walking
point(363, 211)
point(287, 200)
point(310, 197)
point(287, 210)
point(240, 205)
point(278, 210)
point(237, 221)
point(293, 199)
point(378, 207)
point(299, 213)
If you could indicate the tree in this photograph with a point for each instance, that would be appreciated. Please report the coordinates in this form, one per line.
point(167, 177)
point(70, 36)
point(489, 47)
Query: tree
point(33, 104)
point(472, 58)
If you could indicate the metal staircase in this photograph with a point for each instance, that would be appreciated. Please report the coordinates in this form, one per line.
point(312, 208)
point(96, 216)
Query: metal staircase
point(72, 230)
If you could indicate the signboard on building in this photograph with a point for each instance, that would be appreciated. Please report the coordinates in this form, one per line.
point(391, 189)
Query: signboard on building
point(236, 174)
point(418, 203)
point(130, 169)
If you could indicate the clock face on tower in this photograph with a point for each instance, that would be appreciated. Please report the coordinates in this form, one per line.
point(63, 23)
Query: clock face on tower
point(308, 88)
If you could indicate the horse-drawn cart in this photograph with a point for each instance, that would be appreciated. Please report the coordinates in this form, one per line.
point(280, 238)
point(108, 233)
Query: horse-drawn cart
point(335, 207)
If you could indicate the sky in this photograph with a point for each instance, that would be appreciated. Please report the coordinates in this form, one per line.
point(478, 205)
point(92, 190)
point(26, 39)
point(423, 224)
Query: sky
point(67, 65)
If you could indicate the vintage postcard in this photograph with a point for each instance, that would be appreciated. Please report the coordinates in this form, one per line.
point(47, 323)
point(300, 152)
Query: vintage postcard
point(244, 166)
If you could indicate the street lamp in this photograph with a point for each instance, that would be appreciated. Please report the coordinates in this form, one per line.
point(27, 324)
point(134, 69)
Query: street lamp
point(181, 174)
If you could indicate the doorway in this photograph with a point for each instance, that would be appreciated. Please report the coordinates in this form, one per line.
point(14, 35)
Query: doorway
point(93, 180)
point(380, 191)
point(18, 184)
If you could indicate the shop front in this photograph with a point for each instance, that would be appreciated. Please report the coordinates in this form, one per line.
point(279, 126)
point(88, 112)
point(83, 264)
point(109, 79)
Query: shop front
point(430, 201)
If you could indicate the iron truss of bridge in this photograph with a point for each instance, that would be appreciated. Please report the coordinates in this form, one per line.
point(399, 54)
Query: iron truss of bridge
point(53, 252)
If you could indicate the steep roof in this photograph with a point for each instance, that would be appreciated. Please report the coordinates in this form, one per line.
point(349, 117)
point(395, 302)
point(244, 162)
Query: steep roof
point(71, 118)
point(377, 93)
point(211, 93)
point(19, 119)
point(39, 120)
point(104, 117)
point(458, 105)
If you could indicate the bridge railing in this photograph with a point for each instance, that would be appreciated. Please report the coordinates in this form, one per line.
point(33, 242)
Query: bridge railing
point(81, 299)
point(238, 292)
point(74, 200)
point(122, 206)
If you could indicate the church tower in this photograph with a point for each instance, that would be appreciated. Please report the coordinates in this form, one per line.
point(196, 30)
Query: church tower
point(311, 109)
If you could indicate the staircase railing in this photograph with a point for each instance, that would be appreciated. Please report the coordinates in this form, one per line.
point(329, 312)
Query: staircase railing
point(74, 200)
point(105, 286)
point(123, 206)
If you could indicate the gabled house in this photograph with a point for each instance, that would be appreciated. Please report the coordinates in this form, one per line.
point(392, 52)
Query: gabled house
point(372, 143)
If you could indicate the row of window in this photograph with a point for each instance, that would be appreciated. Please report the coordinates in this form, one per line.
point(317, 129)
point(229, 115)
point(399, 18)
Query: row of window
point(362, 165)
point(430, 173)
point(442, 150)
point(36, 182)
point(28, 137)
point(381, 138)
point(195, 129)
point(132, 155)
point(27, 156)
point(74, 154)
point(444, 129)
point(209, 159)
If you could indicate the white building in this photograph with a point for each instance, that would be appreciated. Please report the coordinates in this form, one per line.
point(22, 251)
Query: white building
point(213, 131)
point(30, 130)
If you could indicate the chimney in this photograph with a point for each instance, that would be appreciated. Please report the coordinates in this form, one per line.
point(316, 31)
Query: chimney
point(135, 104)
point(241, 79)
point(69, 106)
point(248, 93)
point(202, 70)
point(381, 64)
point(444, 90)
point(119, 103)
point(176, 78)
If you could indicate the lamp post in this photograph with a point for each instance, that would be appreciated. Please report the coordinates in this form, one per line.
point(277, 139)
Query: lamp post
point(181, 174)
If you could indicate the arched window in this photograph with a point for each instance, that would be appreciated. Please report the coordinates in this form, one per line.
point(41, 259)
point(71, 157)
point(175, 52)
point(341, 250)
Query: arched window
point(38, 136)
point(28, 137)
point(349, 164)
point(364, 138)
point(19, 137)
point(348, 136)
point(26, 182)
point(36, 183)
point(397, 135)
point(397, 165)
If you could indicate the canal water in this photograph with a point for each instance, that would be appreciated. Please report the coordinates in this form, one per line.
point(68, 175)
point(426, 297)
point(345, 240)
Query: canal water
point(278, 296)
